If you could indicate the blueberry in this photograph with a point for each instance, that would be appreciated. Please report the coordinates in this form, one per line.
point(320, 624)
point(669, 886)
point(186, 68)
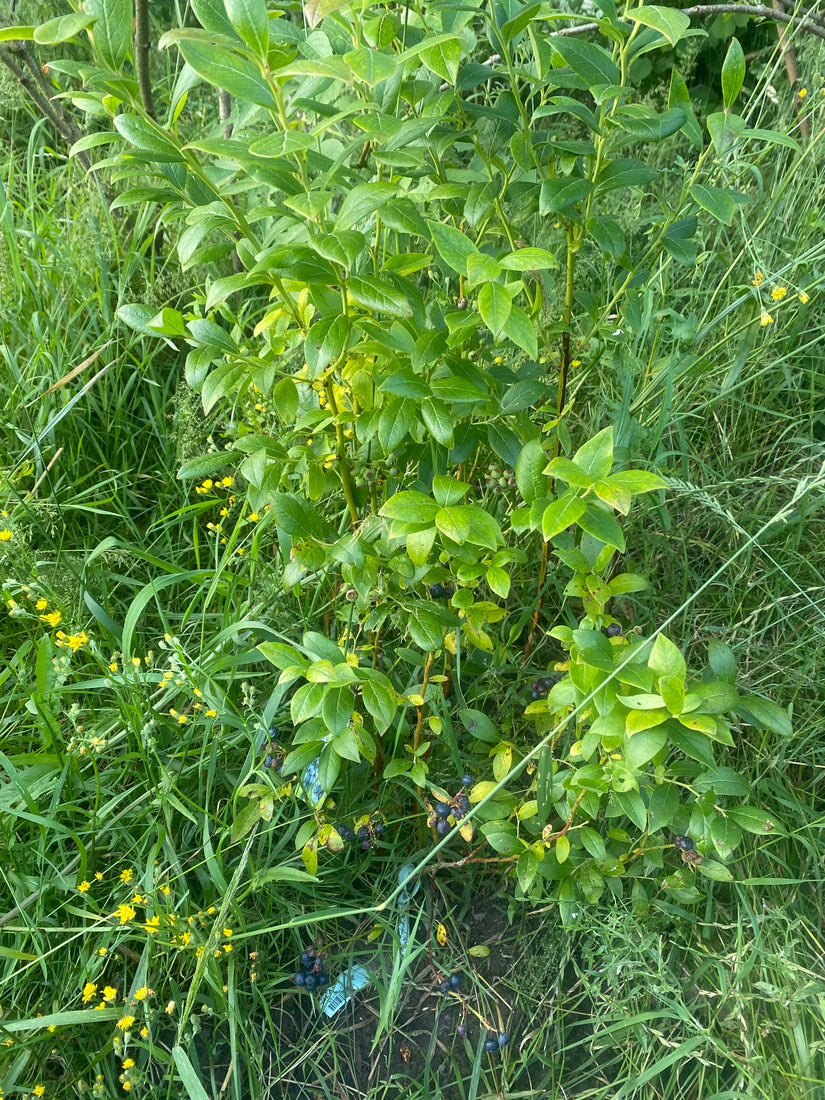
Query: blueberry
point(307, 960)
point(310, 981)
point(436, 591)
point(363, 833)
point(503, 1039)
point(467, 780)
point(348, 834)
point(491, 1045)
point(463, 803)
point(445, 987)
point(685, 843)
point(442, 809)
point(365, 845)
point(274, 733)
point(461, 1030)
point(442, 826)
point(447, 591)
point(269, 760)
point(299, 977)
point(380, 828)
point(455, 981)
point(614, 630)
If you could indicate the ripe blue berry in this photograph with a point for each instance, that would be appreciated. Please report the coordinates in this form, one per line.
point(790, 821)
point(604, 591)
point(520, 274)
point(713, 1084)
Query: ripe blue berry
point(491, 1045)
point(613, 630)
point(503, 1039)
point(310, 981)
point(436, 591)
point(299, 977)
point(366, 845)
point(442, 826)
point(442, 809)
point(467, 780)
point(363, 833)
point(380, 828)
point(463, 803)
point(455, 981)
point(445, 987)
point(461, 1030)
point(307, 960)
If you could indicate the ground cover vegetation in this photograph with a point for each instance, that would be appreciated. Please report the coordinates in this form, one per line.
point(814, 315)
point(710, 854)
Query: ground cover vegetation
point(411, 472)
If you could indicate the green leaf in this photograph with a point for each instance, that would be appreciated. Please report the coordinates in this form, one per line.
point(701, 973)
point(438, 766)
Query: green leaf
point(595, 456)
point(530, 479)
point(724, 781)
point(419, 545)
point(638, 721)
point(726, 837)
point(494, 305)
point(722, 661)
point(148, 137)
point(442, 58)
point(282, 874)
point(733, 73)
point(249, 19)
point(667, 21)
point(281, 144)
point(17, 34)
point(362, 202)
point(623, 583)
point(643, 747)
point(229, 71)
point(678, 96)
point(112, 33)
point(623, 173)
point(410, 507)
point(426, 629)
point(501, 836)
point(380, 703)
point(560, 514)
point(499, 581)
point(530, 259)
point(602, 527)
point(720, 203)
point(558, 195)
point(395, 422)
point(663, 806)
point(637, 481)
point(378, 295)
point(453, 522)
point(477, 724)
point(752, 820)
point(188, 1074)
point(717, 697)
point(325, 342)
point(520, 329)
point(211, 14)
point(564, 469)
point(710, 868)
point(61, 29)
point(672, 689)
point(592, 63)
point(725, 129)
point(370, 65)
point(666, 658)
point(764, 714)
point(452, 245)
point(438, 419)
point(448, 490)
point(631, 805)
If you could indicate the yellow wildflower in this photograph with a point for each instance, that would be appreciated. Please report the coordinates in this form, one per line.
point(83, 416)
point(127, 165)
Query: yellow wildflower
point(136, 662)
point(125, 1022)
point(765, 319)
point(165, 890)
point(803, 297)
point(113, 666)
point(89, 990)
point(103, 950)
point(803, 92)
point(757, 279)
point(228, 482)
point(253, 517)
point(128, 1063)
point(84, 886)
point(127, 1085)
point(170, 1008)
point(143, 993)
point(5, 535)
point(109, 993)
point(211, 714)
point(42, 604)
point(125, 912)
point(99, 876)
point(152, 925)
point(778, 293)
point(39, 1090)
point(126, 874)
point(53, 617)
point(144, 1031)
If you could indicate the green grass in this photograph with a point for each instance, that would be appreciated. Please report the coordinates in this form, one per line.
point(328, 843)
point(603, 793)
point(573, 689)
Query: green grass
point(724, 1000)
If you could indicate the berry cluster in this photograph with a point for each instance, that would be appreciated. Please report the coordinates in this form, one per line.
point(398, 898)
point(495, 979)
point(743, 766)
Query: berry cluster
point(441, 591)
point(274, 753)
point(451, 984)
point(312, 975)
point(540, 686)
point(496, 478)
point(365, 834)
point(443, 815)
point(495, 1042)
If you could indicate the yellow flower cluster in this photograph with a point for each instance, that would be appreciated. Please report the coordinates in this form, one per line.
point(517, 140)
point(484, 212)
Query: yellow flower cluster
point(72, 641)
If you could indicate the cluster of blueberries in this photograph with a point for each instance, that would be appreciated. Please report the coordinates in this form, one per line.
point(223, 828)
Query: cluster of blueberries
point(459, 806)
point(540, 686)
point(312, 974)
point(365, 833)
point(441, 591)
point(495, 1042)
point(451, 984)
